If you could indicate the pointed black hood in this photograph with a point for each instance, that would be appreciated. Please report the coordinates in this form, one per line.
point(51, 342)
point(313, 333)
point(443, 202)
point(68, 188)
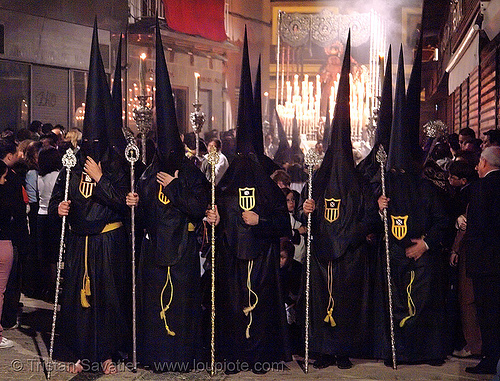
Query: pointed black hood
point(413, 103)
point(258, 135)
point(400, 148)
point(282, 154)
point(337, 169)
point(297, 156)
point(248, 168)
point(295, 132)
point(245, 125)
point(404, 183)
point(115, 134)
point(337, 190)
point(98, 117)
point(170, 149)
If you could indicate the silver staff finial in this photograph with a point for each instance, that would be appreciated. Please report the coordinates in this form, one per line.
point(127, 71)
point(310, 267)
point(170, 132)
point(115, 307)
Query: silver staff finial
point(312, 158)
point(69, 159)
point(381, 155)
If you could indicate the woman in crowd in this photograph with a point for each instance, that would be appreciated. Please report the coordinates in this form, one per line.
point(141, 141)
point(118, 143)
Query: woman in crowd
point(30, 265)
point(48, 229)
point(73, 136)
point(298, 228)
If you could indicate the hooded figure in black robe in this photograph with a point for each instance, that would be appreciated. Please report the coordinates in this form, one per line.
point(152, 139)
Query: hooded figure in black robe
point(96, 300)
point(250, 313)
point(296, 153)
point(257, 135)
point(345, 213)
point(169, 297)
point(283, 153)
point(416, 226)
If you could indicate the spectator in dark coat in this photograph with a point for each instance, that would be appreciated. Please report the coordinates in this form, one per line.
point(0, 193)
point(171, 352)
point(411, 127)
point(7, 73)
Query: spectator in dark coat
point(482, 239)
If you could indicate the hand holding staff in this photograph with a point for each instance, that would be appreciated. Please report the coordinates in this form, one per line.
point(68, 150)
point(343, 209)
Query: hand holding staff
point(132, 154)
point(311, 160)
point(213, 159)
point(382, 158)
point(68, 161)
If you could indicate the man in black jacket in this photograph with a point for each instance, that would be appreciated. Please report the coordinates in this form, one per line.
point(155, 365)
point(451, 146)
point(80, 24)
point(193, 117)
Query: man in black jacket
point(483, 256)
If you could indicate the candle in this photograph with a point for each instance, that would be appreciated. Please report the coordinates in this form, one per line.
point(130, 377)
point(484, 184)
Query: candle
point(381, 74)
point(196, 88)
point(142, 74)
point(288, 92)
point(266, 106)
point(318, 86)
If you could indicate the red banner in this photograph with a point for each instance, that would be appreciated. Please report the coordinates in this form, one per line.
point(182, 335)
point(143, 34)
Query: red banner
point(203, 18)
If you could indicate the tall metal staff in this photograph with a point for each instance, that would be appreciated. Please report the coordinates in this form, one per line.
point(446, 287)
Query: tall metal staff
point(213, 159)
point(132, 154)
point(382, 158)
point(69, 161)
point(311, 159)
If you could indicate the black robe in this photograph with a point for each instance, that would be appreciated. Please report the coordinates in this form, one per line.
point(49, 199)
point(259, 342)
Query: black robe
point(341, 247)
point(244, 249)
point(169, 246)
point(421, 337)
point(98, 332)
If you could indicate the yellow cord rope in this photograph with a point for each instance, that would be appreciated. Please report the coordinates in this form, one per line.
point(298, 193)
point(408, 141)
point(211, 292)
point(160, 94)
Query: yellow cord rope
point(248, 310)
point(331, 302)
point(85, 291)
point(164, 309)
point(411, 305)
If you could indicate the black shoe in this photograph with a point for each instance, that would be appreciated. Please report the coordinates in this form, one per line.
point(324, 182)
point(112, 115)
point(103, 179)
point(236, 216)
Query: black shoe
point(324, 361)
point(343, 362)
point(484, 367)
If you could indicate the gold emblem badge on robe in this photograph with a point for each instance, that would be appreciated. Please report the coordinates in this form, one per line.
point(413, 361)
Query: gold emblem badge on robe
point(399, 228)
point(247, 198)
point(161, 196)
point(332, 206)
point(87, 185)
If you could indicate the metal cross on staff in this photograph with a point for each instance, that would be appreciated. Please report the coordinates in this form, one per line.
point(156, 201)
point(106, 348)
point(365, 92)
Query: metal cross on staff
point(311, 160)
point(382, 159)
point(132, 154)
point(68, 161)
point(213, 159)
